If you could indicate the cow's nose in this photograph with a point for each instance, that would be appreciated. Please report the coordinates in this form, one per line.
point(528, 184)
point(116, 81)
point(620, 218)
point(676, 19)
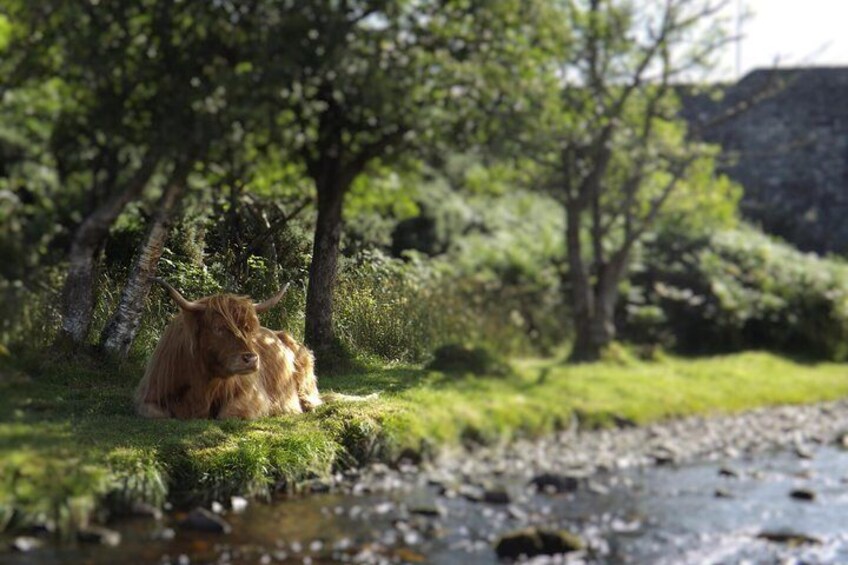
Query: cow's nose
point(249, 358)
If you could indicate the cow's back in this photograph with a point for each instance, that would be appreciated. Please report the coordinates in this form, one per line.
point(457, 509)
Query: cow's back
point(277, 364)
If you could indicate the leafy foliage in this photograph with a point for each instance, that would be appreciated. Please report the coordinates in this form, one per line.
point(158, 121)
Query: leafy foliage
point(737, 289)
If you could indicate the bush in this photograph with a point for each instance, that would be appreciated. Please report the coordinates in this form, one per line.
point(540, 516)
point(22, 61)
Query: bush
point(738, 289)
point(455, 358)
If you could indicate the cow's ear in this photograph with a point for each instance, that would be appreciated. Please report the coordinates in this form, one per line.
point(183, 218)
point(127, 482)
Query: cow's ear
point(271, 302)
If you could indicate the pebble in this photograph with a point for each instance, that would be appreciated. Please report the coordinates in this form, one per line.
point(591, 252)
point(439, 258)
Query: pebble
point(25, 544)
point(99, 535)
point(533, 542)
point(803, 494)
point(203, 520)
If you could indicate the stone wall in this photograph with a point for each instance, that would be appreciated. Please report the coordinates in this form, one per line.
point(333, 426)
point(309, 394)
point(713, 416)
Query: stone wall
point(785, 136)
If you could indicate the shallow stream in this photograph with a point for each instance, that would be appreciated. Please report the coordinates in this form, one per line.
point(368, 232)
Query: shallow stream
point(700, 512)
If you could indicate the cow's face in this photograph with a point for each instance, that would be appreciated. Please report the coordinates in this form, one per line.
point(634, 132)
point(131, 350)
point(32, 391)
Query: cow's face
point(227, 340)
point(226, 328)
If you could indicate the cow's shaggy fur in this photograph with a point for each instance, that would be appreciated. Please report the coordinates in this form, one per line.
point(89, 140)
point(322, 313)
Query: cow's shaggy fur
point(205, 365)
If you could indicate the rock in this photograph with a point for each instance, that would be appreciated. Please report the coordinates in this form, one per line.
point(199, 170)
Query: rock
point(318, 487)
point(165, 534)
point(496, 496)
point(238, 504)
point(471, 493)
point(597, 488)
point(98, 535)
point(24, 544)
point(722, 493)
point(203, 520)
point(427, 510)
point(803, 494)
point(728, 472)
point(803, 453)
point(550, 482)
point(533, 542)
point(842, 441)
point(788, 537)
point(145, 510)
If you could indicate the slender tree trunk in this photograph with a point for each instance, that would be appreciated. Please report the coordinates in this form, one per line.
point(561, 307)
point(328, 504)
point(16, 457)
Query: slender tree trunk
point(322, 271)
point(87, 245)
point(120, 331)
point(582, 297)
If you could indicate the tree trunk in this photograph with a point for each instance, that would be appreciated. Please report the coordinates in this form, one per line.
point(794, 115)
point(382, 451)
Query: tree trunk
point(87, 245)
point(119, 334)
point(322, 271)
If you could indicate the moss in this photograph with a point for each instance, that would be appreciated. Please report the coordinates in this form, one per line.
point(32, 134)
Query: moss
point(69, 440)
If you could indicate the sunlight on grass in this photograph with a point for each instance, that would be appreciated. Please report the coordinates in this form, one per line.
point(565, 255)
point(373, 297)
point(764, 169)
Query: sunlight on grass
point(64, 436)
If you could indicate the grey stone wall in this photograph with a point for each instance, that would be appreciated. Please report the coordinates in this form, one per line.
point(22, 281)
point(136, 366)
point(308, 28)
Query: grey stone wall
point(785, 138)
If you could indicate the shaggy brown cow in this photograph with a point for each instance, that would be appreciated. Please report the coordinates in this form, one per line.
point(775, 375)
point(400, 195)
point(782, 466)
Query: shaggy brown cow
point(215, 361)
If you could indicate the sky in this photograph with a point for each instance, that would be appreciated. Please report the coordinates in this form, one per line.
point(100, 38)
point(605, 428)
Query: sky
point(791, 32)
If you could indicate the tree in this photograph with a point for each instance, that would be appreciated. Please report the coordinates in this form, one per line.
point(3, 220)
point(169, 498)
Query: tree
point(372, 80)
point(151, 86)
point(619, 150)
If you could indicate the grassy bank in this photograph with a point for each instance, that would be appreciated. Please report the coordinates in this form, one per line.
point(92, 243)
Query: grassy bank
point(69, 440)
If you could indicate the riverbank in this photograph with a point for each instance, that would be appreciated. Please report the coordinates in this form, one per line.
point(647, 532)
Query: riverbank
point(69, 442)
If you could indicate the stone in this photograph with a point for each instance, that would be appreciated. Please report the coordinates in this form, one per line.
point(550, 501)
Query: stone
point(24, 544)
point(145, 510)
point(728, 472)
point(238, 504)
point(550, 482)
point(427, 510)
point(803, 494)
point(533, 542)
point(99, 535)
point(722, 493)
point(496, 496)
point(201, 519)
point(789, 538)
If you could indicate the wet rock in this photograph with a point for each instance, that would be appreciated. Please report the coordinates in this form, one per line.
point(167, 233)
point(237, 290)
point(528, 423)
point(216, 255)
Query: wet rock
point(842, 440)
point(803, 453)
point(165, 534)
point(550, 482)
point(789, 537)
point(472, 493)
point(533, 542)
point(497, 495)
point(145, 510)
point(24, 544)
point(320, 487)
point(722, 493)
point(728, 472)
point(100, 536)
point(516, 513)
point(238, 504)
point(803, 494)
point(427, 510)
point(597, 488)
point(203, 520)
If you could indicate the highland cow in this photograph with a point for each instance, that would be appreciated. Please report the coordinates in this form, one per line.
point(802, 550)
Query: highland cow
point(215, 361)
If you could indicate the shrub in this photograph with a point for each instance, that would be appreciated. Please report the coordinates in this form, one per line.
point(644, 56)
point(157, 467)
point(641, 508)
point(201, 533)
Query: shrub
point(456, 358)
point(739, 289)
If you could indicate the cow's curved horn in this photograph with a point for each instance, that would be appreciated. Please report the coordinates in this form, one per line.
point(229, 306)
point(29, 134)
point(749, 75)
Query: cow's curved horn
point(271, 302)
point(178, 298)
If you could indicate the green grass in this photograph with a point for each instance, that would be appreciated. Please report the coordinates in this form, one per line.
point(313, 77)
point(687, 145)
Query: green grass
point(69, 440)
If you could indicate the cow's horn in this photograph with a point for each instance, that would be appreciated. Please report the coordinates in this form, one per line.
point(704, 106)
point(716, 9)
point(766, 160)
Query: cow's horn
point(271, 302)
point(178, 298)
